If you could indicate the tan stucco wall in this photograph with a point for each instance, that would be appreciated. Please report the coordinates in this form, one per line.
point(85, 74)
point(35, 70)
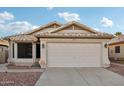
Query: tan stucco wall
point(73, 29)
point(104, 53)
point(114, 55)
point(77, 28)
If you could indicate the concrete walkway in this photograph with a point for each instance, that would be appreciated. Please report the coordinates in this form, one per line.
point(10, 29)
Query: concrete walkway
point(79, 77)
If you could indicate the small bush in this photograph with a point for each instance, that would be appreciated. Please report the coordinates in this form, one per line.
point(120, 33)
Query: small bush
point(36, 64)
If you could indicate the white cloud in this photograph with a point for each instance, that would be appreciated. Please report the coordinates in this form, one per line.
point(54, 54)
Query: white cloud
point(6, 16)
point(106, 22)
point(17, 27)
point(34, 27)
point(8, 28)
point(97, 29)
point(69, 16)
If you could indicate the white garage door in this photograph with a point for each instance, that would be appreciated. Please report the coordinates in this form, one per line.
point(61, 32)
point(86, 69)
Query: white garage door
point(73, 55)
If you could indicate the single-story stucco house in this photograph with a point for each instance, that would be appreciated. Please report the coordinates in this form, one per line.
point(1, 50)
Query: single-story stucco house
point(60, 45)
point(116, 48)
point(3, 51)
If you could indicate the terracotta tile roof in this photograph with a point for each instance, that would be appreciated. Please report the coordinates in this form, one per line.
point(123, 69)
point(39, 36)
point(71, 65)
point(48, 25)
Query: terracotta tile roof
point(74, 22)
point(33, 38)
point(74, 35)
point(4, 42)
point(117, 39)
point(23, 38)
point(43, 27)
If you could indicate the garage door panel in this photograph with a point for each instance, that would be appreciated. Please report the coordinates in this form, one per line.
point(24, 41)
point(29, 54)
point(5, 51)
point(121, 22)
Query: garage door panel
point(74, 55)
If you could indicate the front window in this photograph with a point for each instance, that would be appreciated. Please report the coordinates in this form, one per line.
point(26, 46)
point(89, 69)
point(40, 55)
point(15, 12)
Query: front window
point(24, 50)
point(117, 49)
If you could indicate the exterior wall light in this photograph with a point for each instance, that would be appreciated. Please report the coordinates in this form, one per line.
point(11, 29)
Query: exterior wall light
point(106, 45)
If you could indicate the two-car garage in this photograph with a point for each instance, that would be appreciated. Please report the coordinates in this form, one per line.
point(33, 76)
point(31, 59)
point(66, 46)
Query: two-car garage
point(73, 54)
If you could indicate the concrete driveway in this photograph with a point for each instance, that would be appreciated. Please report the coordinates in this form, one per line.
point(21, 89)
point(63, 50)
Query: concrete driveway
point(79, 77)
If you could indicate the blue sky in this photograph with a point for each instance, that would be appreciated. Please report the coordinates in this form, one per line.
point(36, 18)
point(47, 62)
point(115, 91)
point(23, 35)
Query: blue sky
point(18, 20)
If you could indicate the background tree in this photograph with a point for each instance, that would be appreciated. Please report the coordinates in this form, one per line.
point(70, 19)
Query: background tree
point(118, 33)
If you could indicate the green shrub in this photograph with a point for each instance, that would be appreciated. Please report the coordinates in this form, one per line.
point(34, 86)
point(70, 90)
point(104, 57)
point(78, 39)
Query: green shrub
point(36, 64)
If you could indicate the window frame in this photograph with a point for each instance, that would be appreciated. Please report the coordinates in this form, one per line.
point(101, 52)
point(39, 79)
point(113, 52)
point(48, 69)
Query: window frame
point(117, 49)
point(26, 48)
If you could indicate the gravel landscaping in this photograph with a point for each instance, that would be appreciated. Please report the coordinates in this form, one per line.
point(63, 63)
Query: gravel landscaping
point(19, 78)
point(117, 68)
point(117, 61)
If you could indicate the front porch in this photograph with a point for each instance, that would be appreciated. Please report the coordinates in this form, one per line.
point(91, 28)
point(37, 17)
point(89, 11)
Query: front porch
point(27, 53)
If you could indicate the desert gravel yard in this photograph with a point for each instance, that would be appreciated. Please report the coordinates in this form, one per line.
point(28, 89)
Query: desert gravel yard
point(19, 78)
point(117, 68)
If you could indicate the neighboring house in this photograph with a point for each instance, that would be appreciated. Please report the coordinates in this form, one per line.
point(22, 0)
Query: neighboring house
point(116, 48)
point(55, 45)
point(3, 51)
